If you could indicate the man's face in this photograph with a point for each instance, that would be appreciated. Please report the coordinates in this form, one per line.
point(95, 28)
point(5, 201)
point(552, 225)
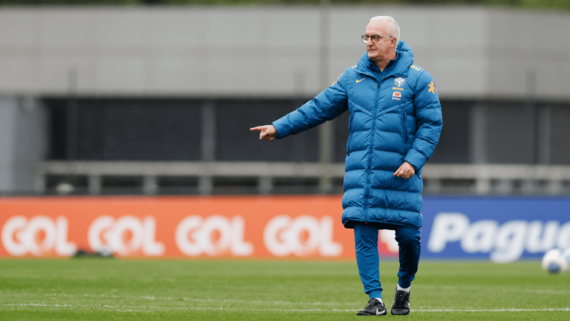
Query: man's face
point(385, 46)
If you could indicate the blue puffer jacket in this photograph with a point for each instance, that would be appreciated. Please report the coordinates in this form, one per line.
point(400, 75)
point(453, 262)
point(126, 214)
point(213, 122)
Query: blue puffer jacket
point(395, 117)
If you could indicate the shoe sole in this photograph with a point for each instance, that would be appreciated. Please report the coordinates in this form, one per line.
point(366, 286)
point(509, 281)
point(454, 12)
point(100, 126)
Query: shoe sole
point(371, 314)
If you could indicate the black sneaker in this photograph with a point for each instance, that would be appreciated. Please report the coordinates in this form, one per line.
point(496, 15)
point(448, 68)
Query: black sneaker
point(374, 307)
point(401, 305)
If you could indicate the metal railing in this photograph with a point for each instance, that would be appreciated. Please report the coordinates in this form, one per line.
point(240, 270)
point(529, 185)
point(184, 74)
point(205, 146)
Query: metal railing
point(485, 179)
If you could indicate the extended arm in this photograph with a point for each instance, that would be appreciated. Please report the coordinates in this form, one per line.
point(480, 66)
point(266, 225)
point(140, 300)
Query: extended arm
point(327, 105)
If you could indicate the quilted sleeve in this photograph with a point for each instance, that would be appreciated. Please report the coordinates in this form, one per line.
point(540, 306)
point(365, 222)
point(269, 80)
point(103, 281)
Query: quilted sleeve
point(327, 105)
point(429, 121)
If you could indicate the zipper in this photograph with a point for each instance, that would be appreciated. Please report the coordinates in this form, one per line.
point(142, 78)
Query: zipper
point(349, 136)
point(370, 153)
point(405, 128)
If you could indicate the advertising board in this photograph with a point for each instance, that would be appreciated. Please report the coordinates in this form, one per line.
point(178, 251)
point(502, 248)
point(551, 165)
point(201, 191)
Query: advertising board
point(501, 229)
point(176, 227)
point(496, 229)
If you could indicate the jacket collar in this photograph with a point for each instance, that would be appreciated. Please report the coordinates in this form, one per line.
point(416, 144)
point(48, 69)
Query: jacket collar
point(398, 67)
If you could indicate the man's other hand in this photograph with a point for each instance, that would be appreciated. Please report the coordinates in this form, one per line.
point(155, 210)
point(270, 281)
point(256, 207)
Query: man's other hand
point(268, 132)
point(405, 171)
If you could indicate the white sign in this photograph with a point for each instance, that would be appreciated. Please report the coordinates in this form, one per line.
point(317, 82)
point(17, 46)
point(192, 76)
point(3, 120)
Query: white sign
point(125, 236)
point(284, 236)
point(214, 235)
point(38, 236)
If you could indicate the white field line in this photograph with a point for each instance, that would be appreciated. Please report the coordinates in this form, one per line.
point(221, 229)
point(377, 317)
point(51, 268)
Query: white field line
point(324, 304)
point(547, 292)
point(493, 310)
point(151, 309)
point(198, 300)
point(501, 288)
point(551, 292)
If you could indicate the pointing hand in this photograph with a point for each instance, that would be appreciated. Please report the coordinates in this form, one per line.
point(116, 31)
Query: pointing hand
point(268, 132)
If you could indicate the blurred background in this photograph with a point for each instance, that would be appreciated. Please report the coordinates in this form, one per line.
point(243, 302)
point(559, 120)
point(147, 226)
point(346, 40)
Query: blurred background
point(157, 97)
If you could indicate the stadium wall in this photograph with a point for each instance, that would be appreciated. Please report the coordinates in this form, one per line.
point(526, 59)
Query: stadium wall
point(147, 84)
point(498, 229)
point(472, 52)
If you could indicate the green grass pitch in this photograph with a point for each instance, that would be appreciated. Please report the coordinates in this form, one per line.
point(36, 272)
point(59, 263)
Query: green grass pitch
point(104, 289)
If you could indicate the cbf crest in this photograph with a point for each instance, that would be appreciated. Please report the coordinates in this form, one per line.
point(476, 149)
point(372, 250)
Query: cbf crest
point(399, 81)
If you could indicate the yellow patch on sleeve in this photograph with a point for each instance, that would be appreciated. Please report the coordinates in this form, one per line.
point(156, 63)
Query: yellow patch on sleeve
point(432, 88)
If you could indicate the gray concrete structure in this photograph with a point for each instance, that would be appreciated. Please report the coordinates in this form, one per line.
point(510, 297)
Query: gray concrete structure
point(23, 143)
point(274, 51)
point(513, 66)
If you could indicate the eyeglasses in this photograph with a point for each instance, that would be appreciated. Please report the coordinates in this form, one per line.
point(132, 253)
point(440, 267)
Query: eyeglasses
point(374, 38)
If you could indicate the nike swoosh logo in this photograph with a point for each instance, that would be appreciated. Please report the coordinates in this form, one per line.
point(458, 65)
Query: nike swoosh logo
point(357, 81)
point(377, 312)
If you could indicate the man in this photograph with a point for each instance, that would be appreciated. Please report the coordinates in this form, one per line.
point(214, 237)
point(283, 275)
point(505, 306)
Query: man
point(395, 123)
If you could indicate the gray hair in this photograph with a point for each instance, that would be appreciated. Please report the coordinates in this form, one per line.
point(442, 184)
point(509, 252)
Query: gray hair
point(393, 27)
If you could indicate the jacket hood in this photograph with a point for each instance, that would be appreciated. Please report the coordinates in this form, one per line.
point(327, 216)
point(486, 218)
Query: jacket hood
point(400, 66)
